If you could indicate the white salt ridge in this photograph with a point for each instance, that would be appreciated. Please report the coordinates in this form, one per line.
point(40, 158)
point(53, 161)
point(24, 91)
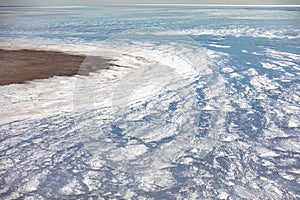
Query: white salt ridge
point(243, 103)
point(237, 32)
point(274, 131)
point(283, 55)
point(251, 72)
point(293, 122)
point(169, 68)
point(186, 59)
point(223, 195)
point(54, 95)
point(36, 99)
point(272, 66)
point(286, 176)
point(227, 70)
point(263, 83)
point(269, 154)
point(139, 124)
point(219, 46)
point(235, 75)
point(72, 188)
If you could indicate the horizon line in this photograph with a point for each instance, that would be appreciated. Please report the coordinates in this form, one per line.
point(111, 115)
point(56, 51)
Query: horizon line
point(149, 4)
point(196, 4)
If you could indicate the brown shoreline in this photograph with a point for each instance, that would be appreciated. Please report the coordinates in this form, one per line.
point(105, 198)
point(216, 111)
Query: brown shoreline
point(19, 66)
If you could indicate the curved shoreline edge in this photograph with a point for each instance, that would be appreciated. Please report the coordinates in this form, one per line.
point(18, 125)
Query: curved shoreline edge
point(19, 66)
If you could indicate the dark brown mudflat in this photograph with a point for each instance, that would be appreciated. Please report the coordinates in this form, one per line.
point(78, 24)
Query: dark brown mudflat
point(18, 66)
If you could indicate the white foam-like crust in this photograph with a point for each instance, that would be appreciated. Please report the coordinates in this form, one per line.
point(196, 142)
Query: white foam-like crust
point(169, 69)
point(263, 83)
point(237, 31)
point(272, 66)
point(219, 46)
point(227, 70)
point(55, 94)
point(45, 98)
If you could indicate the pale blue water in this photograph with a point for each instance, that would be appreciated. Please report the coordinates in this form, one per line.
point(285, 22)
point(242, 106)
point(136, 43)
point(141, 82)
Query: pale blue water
point(226, 129)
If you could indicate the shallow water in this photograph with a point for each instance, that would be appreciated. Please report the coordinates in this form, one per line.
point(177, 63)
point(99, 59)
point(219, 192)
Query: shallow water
point(199, 102)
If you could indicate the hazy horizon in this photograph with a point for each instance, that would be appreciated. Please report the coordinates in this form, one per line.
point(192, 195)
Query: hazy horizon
point(101, 2)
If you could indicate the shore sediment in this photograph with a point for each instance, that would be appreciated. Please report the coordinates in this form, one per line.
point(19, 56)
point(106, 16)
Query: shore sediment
point(19, 66)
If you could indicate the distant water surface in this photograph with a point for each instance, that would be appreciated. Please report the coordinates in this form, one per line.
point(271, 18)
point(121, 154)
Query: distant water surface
point(199, 103)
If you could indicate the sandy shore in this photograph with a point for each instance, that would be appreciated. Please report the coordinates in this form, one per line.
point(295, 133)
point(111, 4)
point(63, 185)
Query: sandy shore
point(18, 66)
